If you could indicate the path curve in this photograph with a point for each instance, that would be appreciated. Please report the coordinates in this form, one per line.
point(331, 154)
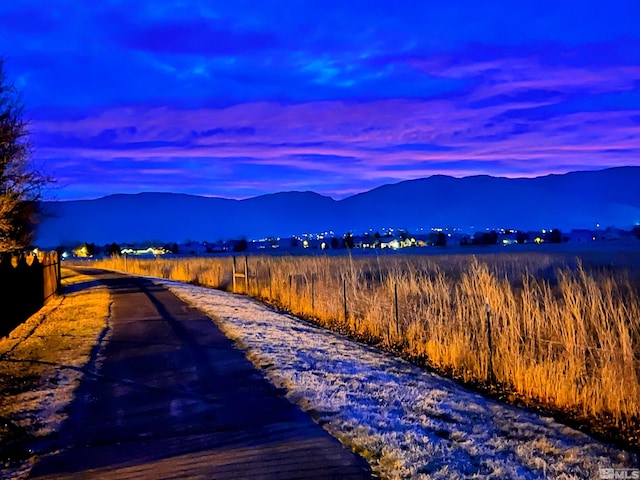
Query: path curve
point(174, 398)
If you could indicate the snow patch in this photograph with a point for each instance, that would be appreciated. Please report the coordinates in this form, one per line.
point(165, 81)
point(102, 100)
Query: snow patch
point(409, 423)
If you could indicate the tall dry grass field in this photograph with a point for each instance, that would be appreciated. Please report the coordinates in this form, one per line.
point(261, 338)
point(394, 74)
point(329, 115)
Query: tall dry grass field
point(563, 336)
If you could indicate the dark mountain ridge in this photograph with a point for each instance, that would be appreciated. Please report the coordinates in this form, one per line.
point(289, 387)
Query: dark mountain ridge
point(608, 197)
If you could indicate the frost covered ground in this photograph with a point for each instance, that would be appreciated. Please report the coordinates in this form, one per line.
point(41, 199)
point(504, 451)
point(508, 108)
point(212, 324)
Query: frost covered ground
point(407, 422)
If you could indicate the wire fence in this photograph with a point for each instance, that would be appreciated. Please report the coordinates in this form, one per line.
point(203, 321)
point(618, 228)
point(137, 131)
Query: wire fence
point(296, 291)
point(572, 341)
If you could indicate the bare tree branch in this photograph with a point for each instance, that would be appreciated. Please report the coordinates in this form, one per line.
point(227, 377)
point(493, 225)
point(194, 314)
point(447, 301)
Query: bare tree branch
point(20, 183)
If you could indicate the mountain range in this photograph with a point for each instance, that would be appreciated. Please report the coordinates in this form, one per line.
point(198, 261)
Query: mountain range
point(609, 197)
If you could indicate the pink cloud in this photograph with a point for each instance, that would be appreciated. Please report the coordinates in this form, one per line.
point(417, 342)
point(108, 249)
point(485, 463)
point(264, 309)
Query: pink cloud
point(399, 122)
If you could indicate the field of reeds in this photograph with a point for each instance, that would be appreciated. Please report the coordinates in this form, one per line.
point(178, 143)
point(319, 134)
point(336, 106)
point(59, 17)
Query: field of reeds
point(535, 329)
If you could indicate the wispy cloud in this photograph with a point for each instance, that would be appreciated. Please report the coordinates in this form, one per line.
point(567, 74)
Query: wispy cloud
point(374, 140)
point(243, 98)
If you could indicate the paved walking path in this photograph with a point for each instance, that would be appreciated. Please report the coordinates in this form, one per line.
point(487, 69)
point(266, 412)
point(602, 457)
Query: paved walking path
point(173, 398)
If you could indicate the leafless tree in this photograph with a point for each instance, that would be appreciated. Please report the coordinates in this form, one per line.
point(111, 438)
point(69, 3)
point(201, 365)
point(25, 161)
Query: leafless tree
point(21, 185)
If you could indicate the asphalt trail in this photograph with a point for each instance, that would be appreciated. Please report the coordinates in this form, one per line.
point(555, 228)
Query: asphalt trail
point(172, 397)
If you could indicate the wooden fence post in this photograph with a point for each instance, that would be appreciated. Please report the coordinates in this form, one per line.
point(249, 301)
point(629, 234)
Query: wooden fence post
point(246, 275)
point(59, 273)
point(233, 275)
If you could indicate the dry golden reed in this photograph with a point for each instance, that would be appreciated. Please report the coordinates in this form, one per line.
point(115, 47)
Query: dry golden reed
point(564, 337)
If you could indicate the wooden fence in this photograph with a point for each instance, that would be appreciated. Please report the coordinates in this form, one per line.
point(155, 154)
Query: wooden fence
point(27, 282)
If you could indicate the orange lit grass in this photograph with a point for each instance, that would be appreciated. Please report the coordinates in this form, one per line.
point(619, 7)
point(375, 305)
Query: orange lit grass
point(573, 346)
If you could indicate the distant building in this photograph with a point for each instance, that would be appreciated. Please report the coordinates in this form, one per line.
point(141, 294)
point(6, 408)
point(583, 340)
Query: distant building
point(192, 248)
point(509, 238)
point(145, 251)
point(83, 251)
point(582, 236)
point(611, 234)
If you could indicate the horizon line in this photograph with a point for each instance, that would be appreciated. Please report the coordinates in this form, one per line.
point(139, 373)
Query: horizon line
point(213, 196)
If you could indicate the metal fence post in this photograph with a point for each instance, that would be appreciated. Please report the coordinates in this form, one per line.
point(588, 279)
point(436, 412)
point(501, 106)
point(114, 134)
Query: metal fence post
point(313, 294)
point(344, 298)
point(397, 313)
point(290, 290)
point(491, 377)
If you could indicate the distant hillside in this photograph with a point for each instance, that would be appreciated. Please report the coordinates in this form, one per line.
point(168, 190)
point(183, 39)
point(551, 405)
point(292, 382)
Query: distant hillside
point(574, 200)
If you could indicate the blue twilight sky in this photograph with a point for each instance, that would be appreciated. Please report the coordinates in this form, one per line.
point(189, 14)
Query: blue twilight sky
point(240, 98)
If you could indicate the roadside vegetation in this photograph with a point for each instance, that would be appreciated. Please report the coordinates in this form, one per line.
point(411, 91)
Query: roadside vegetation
point(536, 330)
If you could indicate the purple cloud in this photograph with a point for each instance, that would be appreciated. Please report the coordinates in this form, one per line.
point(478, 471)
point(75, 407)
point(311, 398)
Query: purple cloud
point(337, 97)
point(375, 140)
